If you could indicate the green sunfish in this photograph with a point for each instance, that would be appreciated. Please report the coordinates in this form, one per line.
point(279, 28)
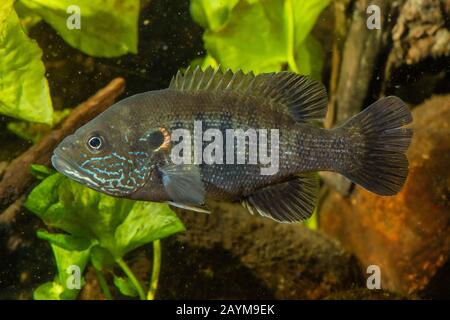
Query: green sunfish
point(244, 124)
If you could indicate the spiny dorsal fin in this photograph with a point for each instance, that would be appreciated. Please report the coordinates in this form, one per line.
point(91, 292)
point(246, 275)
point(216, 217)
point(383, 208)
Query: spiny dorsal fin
point(211, 80)
point(305, 98)
point(290, 201)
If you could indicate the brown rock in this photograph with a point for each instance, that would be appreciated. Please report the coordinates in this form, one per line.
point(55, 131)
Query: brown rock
point(407, 235)
point(230, 254)
point(421, 32)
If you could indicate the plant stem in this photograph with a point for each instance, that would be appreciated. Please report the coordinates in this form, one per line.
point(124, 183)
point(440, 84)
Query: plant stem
point(126, 269)
point(103, 284)
point(155, 270)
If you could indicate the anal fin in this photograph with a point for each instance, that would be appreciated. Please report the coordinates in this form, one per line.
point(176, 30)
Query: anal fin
point(290, 201)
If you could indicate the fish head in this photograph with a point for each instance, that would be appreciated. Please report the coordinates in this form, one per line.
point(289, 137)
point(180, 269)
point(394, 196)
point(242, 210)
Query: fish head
point(106, 155)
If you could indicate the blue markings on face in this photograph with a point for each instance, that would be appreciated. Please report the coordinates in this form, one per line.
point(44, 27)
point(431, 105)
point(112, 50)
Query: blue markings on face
point(116, 173)
point(138, 153)
point(114, 154)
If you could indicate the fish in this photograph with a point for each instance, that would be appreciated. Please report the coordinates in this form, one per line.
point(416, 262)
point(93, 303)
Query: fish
point(127, 151)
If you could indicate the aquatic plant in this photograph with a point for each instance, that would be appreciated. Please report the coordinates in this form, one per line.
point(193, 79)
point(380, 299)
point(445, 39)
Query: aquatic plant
point(108, 29)
point(99, 230)
point(261, 35)
point(96, 229)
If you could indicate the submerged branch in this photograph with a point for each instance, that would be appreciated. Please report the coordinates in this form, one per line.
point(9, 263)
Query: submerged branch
point(17, 177)
point(359, 65)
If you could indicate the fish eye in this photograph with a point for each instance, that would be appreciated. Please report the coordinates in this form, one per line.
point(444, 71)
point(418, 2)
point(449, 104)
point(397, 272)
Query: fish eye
point(95, 143)
point(156, 139)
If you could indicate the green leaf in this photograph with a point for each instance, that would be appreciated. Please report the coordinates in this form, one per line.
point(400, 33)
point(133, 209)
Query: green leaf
point(305, 14)
point(253, 38)
point(64, 241)
point(41, 172)
point(204, 62)
point(31, 132)
point(266, 36)
point(27, 17)
point(6, 7)
point(211, 14)
point(24, 92)
point(146, 222)
point(48, 291)
point(35, 131)
point(116, 224)
point(70, 265)
point(107, 28)
point(44, 196)
point(125, 286)
point(101, 258)
point(310, 57)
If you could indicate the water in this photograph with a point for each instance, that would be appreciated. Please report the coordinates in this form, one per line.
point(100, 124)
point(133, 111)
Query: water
point(356, 246)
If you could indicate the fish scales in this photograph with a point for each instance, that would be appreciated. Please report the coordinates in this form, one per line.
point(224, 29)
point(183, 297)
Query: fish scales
point(302, 147)
point(128, 150)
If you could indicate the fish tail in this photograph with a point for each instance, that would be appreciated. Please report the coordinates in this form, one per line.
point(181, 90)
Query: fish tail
point(380, 141)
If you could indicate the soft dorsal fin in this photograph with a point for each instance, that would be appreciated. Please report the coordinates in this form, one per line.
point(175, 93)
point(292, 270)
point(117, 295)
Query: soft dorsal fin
point(290, 201)
point(305, 98)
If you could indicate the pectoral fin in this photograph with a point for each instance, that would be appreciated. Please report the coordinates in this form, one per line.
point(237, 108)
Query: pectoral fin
point(290, 201)
point(183, 184)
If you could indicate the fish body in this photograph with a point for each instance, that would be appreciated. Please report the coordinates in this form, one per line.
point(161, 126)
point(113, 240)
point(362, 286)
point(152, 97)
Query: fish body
point(128, 150)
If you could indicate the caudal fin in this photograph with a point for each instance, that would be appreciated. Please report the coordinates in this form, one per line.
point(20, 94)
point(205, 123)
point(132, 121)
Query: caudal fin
point(381, 144)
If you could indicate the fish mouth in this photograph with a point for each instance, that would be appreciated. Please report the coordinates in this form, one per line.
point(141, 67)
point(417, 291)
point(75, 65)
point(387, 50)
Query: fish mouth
point(69, 169)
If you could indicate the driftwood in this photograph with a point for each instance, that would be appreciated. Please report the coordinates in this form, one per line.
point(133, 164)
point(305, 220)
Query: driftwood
point(17, 177)
point(411, 31)
point(407, 235)
point(361, 54)
point(420, 32)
